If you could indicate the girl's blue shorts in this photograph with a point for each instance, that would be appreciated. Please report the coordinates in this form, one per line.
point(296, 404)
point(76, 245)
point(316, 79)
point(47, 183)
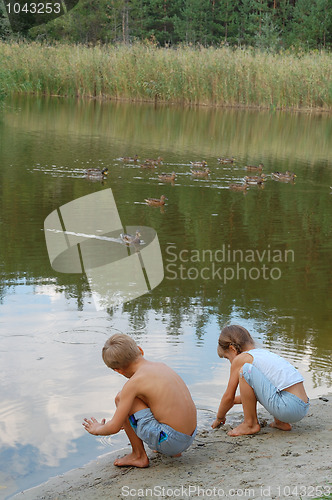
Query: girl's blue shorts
point(283, 405)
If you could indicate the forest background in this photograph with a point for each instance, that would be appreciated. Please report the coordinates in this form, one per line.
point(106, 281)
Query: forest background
point(265, 24)
point(249, 53)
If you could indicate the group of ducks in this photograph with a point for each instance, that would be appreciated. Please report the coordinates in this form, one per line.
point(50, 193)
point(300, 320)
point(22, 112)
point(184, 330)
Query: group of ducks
point(257, 180)
point(100, 174)
point(198, 169)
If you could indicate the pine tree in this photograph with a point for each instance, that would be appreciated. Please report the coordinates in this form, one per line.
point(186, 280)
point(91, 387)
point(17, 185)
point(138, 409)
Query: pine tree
point(5, 29)
point(192, 24)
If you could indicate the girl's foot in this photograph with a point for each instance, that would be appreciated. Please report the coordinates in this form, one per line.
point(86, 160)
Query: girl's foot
point(277, 424)
point(132, 460)
point(245, 429)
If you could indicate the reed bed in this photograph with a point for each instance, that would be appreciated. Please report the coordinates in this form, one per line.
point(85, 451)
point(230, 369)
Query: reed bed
point(186, 75)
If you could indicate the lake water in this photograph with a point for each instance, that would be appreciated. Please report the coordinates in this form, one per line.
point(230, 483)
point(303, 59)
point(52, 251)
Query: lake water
point(52, 374)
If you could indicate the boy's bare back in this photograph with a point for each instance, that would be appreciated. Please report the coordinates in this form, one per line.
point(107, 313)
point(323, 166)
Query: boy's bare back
point(151, 386)
point(165, 393)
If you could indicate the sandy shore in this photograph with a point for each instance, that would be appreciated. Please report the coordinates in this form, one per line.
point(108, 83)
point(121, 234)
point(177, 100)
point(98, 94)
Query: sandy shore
point(270, 465)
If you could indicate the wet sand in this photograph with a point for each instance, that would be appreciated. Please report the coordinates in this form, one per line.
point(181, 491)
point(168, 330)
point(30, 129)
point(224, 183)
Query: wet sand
point(272, 464)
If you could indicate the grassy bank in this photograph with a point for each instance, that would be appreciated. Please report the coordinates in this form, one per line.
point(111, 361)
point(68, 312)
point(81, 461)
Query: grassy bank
point(222, 77)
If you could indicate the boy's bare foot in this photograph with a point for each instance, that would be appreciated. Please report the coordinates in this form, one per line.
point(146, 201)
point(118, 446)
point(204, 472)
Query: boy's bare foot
point(277, 424)
point(244, 429)
point(132, 460)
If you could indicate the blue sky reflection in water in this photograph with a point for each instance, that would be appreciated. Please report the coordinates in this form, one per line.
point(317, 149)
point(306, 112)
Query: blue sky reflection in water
point(52, 374)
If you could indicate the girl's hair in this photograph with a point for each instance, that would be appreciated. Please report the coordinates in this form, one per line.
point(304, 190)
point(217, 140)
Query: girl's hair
point(119, 351)
point(234, 335)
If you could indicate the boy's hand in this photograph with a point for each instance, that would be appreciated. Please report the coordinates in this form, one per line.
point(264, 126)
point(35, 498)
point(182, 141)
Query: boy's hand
point(218, 422)
point(93, 426)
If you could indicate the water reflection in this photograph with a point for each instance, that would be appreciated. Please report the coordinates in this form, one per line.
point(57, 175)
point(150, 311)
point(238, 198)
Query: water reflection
point(52, 374)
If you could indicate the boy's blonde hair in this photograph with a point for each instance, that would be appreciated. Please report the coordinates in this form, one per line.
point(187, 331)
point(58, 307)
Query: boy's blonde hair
point(234, 335)
point(119, 351)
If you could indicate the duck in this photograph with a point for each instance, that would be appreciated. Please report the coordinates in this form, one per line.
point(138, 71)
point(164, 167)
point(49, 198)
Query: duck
point(238, 187)
point(167, 177)
point(253, 182)
point(254, 168)
point(200, 173)
point(156, 201)
point(198, 163)
point(148, 165)
point(226, 160)
point(255, 179)
point(129, 239)
point(129, 159)
point(157, 161)
point(97, 172)
point(283, 176)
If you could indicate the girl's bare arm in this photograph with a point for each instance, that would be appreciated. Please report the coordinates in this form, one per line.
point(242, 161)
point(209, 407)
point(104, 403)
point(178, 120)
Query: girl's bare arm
point(229, 398)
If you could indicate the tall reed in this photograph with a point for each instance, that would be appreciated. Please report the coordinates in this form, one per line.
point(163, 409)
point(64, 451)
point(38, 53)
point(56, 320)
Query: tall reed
point(210, 76)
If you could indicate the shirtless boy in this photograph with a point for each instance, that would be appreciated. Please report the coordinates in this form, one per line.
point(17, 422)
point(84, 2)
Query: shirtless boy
point(154, 406)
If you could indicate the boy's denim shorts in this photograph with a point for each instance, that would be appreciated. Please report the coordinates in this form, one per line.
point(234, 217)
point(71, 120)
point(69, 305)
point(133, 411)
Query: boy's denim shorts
point(157, 436)
point(283, 405)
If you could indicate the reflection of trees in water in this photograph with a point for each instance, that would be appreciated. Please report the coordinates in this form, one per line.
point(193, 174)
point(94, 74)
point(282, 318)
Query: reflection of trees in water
point(286, 217)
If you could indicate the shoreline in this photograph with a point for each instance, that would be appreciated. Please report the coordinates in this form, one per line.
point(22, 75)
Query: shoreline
point(160, 102)
point(269, 465)
point(240, 78)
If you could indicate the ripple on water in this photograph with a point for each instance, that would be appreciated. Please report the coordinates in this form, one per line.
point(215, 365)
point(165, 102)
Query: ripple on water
point(105, 441)
point(81, 336)
point(300, 355)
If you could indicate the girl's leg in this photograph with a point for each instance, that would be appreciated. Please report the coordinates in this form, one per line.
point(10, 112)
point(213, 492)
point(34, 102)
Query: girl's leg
point(278, 424)
point(138, 456)
point(279, 404)
point(250, 424)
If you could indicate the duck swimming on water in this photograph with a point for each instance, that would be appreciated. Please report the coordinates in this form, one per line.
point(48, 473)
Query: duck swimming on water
point(238, 187)
point(156, 201)
point(198, 163)
point(167, 177)
point(97, 172)
point(283, 176)
point(129, 159)
point(129, 239)
point(254, 168)
point(200, 173)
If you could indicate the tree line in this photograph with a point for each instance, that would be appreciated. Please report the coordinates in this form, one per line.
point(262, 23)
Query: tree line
point(266, 24)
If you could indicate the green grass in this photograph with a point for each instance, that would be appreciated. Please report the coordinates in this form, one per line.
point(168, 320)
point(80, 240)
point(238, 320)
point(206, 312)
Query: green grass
point(328, 488)
point(206, 76)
